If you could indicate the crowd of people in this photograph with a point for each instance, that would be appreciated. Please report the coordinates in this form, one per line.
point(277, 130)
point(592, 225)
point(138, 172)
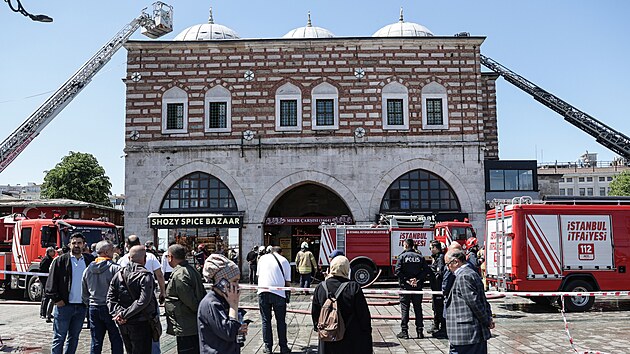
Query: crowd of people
point(121, 298)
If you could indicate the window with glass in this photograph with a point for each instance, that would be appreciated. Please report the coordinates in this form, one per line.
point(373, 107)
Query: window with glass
point(581, 179)
point(570, 179)
point(325, 112)
point(602, 179)
point(419, 191)
point(582, 192)
point(395, 112)
point(434, 111)
point(199, 192)
point(589, 191)
point(217, 115)
point(174, 116)
point(609, 179)
point(288, 113)
point(511, 180)
point(589, 179)
point(602, 191)
point(563, 191)
point(569, 191)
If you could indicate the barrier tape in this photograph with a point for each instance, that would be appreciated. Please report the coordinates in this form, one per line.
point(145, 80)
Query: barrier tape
point(571, 341)
point(23, 273)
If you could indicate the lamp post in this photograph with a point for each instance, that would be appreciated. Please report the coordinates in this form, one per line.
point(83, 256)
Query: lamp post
point(20, 9)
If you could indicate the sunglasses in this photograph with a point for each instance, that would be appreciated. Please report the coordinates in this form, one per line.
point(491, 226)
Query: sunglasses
point(451, 262)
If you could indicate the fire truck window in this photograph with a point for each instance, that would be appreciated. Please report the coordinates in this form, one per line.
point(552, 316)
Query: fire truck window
point(25, 240)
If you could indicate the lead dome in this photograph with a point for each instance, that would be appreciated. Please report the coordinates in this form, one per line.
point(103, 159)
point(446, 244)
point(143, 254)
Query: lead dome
point(207, 31)
point(309, 31)
point(403, 29)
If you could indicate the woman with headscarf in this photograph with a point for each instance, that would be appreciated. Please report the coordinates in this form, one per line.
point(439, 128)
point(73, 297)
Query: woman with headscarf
point(352, 307)
point(217, 317)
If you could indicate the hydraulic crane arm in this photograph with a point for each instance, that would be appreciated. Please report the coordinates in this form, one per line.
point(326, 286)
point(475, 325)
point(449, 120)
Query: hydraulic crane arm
point(603, 134)
point(154, 25)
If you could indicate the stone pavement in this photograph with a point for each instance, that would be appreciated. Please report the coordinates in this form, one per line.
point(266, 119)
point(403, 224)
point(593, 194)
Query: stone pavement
point(522, 327)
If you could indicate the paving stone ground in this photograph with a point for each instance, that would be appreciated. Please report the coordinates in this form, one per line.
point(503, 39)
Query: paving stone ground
point(522, 327)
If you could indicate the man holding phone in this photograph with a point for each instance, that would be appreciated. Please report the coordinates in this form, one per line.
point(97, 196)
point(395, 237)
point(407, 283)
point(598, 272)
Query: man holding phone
point(183, 294)
point(217, 318)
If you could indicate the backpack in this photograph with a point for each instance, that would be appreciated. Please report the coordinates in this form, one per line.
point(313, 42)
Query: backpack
point(330, 326)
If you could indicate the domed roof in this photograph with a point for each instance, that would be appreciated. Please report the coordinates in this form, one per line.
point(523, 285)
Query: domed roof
point(403, 29)
point(309, 31)
point(206, 31)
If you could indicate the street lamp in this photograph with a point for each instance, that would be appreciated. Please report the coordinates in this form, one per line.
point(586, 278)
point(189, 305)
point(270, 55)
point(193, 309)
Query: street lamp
point(20, 9)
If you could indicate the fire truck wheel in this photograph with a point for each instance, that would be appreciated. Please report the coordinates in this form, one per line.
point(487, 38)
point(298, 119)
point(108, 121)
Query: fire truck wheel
point(578, 303)
point(362, 274)
point(34, 289)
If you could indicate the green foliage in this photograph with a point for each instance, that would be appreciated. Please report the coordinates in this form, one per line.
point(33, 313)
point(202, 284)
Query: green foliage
point(78, 176)
point(620, 185)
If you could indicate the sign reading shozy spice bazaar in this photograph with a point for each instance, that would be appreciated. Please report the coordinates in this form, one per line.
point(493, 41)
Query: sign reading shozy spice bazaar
point(177, 221)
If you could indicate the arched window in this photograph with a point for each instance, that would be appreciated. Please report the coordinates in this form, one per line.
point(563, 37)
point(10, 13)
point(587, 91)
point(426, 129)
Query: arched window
point(434, 107)
point(174, 111)
point(419, 191)
point(395, 101)
point(325, 107)
point(288, 108)
point(198, 192)
point(218, 110)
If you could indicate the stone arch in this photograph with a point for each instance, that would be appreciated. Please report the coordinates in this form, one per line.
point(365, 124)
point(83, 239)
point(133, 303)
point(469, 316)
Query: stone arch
point(196, 166)
point(293, 180)
point(435, 79)
point(449, 177)
point(174, 83)
point(285, 81)
point(389, 80)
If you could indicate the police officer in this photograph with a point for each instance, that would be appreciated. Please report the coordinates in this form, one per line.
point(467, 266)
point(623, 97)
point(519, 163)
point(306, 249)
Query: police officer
point(411, 270)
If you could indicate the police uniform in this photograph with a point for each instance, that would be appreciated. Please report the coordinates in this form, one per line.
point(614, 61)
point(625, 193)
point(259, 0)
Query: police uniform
point(410, 265)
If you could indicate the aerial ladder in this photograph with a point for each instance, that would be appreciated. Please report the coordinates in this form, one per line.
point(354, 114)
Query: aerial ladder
point(603, 134)
point(154, 25)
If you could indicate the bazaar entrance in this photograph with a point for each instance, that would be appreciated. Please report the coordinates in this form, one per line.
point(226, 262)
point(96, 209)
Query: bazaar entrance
point(296, 216)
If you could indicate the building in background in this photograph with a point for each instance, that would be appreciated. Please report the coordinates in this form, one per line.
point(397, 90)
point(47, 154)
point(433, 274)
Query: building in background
point(507, 179)
point(586, 177)
point(262, 140)
point(31, 191)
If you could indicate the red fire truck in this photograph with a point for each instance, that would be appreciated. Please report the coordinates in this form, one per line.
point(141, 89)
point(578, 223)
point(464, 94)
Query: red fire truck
point(551, 247)
point(371, 248)
point(28, 240)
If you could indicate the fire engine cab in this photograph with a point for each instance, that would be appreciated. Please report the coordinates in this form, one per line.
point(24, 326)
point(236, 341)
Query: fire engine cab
point(548, 247)
point(374, 248)
point(24, 244)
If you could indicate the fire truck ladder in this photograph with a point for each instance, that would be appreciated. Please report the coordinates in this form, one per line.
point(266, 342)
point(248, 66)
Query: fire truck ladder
point(154, 26)
point(603, 134)
point(499, 228)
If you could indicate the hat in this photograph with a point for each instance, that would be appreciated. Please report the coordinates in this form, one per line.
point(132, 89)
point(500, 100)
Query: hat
point(335, 253)
point(261, 249)
point(269, 248)
point(201, 246)
point(340, 267)
point(217, 267)
point(304, 245)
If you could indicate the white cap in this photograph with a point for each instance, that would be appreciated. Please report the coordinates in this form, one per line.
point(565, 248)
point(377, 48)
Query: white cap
point(304, 244)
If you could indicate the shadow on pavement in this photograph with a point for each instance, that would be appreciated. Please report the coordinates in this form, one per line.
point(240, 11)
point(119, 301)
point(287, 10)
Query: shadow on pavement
point(385, 344)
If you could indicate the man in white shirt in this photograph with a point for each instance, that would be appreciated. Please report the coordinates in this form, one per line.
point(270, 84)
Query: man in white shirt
point(273, 270)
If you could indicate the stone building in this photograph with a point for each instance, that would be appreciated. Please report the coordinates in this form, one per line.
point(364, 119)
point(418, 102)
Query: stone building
point(234, 142)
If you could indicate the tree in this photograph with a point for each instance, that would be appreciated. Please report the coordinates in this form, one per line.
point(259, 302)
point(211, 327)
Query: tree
point(620, 185)
point(78, 176)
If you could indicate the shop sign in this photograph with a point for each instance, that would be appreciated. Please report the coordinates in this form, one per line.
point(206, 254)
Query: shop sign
point(308, 220)
point(192, 221)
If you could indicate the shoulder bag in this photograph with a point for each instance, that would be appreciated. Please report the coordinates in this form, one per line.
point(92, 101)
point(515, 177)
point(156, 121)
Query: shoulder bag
point(287, 293)
point(154, 321)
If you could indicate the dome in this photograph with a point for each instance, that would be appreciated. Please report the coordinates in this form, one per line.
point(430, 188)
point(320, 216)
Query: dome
point(309, 31)
point(403, 29)
point(206, 31)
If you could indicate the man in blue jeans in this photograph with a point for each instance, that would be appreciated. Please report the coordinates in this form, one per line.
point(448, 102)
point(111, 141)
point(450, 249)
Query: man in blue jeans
point(273, 270)
point(64, 287)
point(96, 279)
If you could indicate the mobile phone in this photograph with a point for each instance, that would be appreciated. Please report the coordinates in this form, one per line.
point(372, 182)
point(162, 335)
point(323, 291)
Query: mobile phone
point(223, 285)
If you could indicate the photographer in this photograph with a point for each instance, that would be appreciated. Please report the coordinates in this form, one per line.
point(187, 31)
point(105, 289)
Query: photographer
point(217, 317)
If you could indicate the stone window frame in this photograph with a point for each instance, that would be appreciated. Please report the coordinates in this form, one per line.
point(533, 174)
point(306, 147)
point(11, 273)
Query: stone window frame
point(325, 91)
point(170, 96)
point(218, 94)
point(435, 91)
point(289, 92)
point(395, 91)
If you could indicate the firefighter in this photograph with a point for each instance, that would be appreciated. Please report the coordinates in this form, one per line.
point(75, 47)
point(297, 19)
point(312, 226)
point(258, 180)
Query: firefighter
point(411, 270)
point(471, 253)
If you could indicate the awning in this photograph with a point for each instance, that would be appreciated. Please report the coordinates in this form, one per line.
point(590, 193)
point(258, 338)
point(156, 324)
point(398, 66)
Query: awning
point(174, 221)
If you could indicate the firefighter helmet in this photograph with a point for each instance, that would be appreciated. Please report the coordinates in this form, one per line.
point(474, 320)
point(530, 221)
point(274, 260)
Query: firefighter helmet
point(471, 242)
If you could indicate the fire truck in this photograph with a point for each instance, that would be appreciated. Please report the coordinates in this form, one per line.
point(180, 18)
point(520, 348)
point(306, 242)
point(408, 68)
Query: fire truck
point(374, 249)
point(28, 240)
point(554, 246)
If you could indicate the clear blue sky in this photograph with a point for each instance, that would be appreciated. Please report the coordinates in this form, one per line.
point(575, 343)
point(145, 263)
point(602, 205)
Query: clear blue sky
point(576, 49)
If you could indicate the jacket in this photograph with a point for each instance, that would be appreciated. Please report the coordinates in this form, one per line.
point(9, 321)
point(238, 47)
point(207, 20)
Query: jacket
point(468, 313)
point(305, 262)
point(183, 294)
point(217, 331)
point(96, 280)
point(355, 313)
point(44, 266)
point(131, 301)
point(410, 265)
point(438, 267)
point(59, 279)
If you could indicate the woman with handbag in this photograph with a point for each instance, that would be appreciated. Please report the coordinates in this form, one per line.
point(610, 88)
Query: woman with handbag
point(217, 317)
